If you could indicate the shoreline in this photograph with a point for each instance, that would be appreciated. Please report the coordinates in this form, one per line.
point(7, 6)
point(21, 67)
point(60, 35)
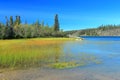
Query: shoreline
point(53, 74)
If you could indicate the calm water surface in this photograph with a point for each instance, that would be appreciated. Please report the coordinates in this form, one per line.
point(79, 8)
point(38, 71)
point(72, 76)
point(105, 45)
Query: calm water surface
point(106, 49)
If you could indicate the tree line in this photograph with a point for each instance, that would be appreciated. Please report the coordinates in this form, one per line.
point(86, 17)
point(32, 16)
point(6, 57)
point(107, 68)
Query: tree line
point(14, 29)
point(103, 29)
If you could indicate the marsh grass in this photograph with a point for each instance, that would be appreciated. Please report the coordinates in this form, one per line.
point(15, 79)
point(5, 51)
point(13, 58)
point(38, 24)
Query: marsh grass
point(39, 52)
point(26, 53)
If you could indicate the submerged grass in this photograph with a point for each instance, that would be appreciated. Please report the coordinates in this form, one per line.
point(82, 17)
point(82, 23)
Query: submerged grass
point(26, 53)
point(64, 65)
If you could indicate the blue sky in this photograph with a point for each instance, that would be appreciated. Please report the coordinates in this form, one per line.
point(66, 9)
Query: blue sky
point(73, 14)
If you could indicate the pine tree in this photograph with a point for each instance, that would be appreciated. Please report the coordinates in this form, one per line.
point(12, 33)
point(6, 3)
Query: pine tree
point(19, 20)
point(37, 23)
point(11, 21)
point(56, 24)
point(7, 22)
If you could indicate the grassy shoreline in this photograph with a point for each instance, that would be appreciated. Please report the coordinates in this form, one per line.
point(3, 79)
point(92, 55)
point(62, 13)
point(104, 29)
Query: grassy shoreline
point(25, 53)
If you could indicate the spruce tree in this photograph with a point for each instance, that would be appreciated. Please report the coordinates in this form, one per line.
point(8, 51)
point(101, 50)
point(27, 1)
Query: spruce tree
point(11, 21)
point(19, 20)
point(7, 22)
point(56, 24)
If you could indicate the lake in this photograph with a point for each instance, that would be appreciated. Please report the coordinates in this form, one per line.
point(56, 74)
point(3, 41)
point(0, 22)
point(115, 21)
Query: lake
point(104, 48)
point(101, 56)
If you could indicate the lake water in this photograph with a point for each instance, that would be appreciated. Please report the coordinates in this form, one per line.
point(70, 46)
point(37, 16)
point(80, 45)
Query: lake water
point(106, 49)
point(102, 38)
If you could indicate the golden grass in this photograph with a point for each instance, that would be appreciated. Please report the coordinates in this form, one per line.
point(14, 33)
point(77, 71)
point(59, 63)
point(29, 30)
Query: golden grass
point(29, 52)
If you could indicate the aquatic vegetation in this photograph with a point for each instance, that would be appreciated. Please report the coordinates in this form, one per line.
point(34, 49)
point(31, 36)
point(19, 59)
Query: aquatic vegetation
point(72, 61)
point(97, 62)
point(63, 65)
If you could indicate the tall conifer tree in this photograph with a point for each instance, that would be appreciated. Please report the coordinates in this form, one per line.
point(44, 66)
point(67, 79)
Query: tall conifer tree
point(56, 24)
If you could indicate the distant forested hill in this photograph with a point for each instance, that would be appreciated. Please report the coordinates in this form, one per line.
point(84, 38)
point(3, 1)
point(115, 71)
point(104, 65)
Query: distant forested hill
point(103, 30)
